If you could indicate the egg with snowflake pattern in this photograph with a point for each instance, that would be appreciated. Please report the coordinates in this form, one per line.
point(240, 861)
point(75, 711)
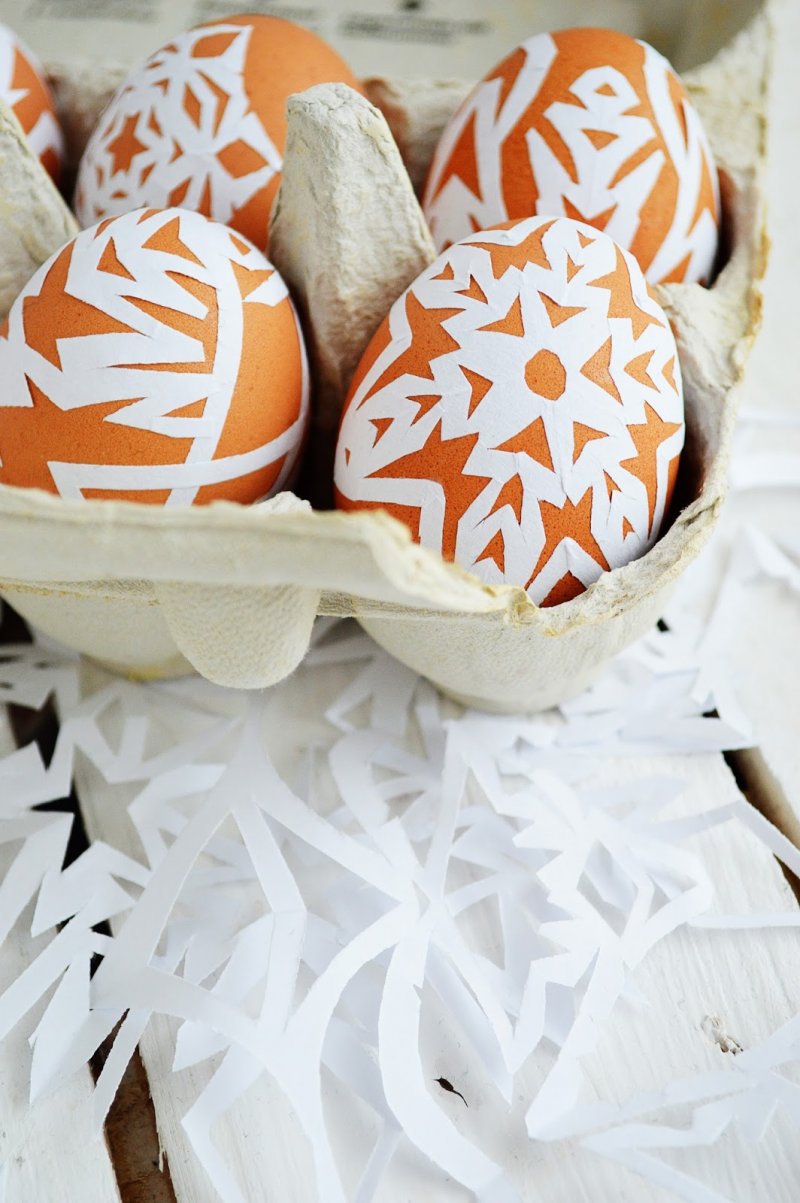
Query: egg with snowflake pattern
point(520, 409)
point(25, 91)
point(589, 124)
point(155, 358)
point(202, 124)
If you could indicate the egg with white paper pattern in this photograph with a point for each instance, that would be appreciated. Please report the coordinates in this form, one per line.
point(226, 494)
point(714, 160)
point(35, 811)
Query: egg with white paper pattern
point(25, 90)
point(521, 409)
point(155, 358)
point(202, 124)
point(589, 124)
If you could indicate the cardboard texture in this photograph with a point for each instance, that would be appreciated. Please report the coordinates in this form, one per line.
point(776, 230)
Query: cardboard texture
point(233, 590)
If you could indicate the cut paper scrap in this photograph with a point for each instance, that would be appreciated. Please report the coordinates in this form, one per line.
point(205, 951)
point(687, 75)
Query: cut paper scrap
point(318, 894)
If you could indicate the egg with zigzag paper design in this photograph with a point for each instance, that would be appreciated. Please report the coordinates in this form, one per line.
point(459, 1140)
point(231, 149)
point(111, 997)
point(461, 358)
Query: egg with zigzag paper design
point(156, 358)
point(521, 409)
point(589, 124)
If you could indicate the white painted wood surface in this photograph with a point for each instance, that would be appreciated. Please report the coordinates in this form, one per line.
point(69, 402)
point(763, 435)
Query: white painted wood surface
point(760, 645)
point(48, 1149)
point(747, 981)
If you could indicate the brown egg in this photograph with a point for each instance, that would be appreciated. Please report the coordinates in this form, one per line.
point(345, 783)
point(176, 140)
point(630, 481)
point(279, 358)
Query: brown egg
point(589, 124)
point(520, 409)
point(202, 123)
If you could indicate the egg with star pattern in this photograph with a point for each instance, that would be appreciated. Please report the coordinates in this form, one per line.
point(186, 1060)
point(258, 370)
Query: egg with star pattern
point(155, 358)
point(589, 124)
point(25, 90)
point(521, 409)
point(202, 123)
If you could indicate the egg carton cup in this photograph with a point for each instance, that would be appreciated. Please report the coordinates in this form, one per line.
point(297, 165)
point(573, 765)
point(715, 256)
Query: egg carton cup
point(232, 592)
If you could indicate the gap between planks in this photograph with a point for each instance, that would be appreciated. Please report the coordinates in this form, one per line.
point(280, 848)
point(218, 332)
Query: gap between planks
point(763, 791)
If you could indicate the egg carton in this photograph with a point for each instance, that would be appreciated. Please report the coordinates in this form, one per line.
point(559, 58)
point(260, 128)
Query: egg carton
point(233, 592)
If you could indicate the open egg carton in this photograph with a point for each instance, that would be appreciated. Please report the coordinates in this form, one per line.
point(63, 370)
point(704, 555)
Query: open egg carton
point(233, 591)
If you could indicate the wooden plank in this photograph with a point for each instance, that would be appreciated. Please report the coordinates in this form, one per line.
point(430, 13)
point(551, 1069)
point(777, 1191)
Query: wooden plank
point(760, 652)
point(698, 987)
point(48, 1149)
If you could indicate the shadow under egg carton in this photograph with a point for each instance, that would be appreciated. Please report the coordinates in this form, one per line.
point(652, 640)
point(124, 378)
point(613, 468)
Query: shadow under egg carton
point(233, 591)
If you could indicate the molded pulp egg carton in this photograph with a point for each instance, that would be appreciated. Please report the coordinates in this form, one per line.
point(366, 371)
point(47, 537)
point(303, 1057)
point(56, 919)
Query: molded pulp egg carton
point(233, 591)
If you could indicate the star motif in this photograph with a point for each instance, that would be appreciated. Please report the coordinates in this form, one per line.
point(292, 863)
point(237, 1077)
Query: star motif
point(568, 522)
point(621, 299)
point(530, 250)
point(445, 462)
point(647, 438)
point(126, 146)
point(429, 341)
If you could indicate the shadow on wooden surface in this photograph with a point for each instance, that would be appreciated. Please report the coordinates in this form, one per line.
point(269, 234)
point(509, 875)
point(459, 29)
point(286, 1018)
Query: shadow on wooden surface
point(131, 1133)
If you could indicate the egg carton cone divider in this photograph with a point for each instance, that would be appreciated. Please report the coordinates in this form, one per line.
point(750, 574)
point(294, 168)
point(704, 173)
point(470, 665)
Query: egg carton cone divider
point(233, 591)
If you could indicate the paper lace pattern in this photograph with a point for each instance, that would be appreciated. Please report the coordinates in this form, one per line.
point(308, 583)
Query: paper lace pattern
point(592, 125)
point(336, 921)
point(133, 366)
point(182, 131)
point(23, 90)
point(521, 409)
